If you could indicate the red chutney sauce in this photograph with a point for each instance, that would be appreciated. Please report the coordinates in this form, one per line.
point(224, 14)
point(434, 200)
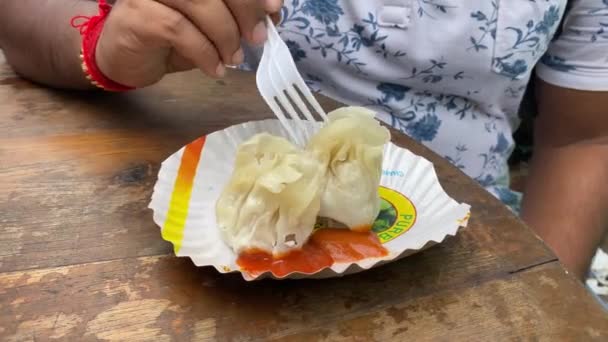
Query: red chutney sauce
point(324, 248)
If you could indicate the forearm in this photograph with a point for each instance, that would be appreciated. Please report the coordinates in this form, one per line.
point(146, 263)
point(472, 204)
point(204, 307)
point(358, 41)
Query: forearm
point(566, 200)
point(566, 197)
point(39, 42)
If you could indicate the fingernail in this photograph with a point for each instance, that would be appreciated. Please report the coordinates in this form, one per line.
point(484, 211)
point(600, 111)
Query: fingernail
point(221, 70)
point(259, 33)
point(238, 57)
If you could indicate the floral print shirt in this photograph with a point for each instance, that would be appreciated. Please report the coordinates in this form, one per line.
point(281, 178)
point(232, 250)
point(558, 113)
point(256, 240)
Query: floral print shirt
point(449, 73)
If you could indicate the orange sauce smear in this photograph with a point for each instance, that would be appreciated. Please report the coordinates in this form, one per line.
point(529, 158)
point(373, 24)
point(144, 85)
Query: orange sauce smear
point(324, 248)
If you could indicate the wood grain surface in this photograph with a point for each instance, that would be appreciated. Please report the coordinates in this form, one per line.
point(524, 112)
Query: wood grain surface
point(81, 259)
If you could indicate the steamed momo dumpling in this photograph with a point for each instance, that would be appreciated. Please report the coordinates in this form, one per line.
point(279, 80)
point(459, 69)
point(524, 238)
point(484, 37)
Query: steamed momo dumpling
point(273, 197)
point(351, 146)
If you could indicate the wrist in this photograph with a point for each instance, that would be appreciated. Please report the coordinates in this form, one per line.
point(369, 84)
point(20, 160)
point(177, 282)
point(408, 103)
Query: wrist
point(104, 64)
point(90, 31)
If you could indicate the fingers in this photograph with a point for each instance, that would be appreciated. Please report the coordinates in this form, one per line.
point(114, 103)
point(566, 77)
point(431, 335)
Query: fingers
point(273, 9)
point(144, 39)
point(159, 39)
point(177, 63)
point(249, 15)
point(215, 20)
point(272, 6)
point(275, 17)
point(187, 41)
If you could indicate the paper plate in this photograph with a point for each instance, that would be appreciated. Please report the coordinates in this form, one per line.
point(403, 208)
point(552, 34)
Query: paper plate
point(415, 213)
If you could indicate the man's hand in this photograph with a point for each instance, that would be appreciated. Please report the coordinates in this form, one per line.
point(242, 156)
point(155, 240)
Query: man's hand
point(142, 40)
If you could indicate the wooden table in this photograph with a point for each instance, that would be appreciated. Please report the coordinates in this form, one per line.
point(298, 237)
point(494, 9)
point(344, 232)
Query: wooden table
point(81, 259)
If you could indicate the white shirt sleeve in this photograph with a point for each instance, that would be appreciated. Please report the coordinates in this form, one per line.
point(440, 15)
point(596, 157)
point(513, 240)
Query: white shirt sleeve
point(578, 57)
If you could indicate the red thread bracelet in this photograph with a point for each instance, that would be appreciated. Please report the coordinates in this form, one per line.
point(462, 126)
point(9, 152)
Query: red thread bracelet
point(90, 30)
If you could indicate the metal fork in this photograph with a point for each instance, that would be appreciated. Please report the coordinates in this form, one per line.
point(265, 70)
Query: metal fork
point(280, 84)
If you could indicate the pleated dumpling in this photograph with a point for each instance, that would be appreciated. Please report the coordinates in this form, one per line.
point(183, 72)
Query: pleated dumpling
point(351, 147)
point(273, 197)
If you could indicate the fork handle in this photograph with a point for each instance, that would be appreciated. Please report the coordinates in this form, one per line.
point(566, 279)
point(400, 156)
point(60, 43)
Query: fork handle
point(273, 34)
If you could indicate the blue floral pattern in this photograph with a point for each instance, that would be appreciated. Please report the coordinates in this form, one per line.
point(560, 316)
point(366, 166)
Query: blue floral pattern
point(424, 129)
point(433, 8)
point(511, 198)
point(458, 92)
point(392, 91)
point(528, 43)
point(457, 156)
point(577, 56)
point(295, 50)
point(325, 11)
point(496, 155)
point(557, 63)
point(530, 38)
point(600, 31)
point(330, 39)
point(487, 27)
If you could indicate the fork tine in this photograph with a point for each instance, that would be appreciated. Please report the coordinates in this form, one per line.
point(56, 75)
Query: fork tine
point(310, 98)
point(284, 101)
point(295, 96)
point(278, 81)
point(281, 85)
point(276, 109)
point(293, 76)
